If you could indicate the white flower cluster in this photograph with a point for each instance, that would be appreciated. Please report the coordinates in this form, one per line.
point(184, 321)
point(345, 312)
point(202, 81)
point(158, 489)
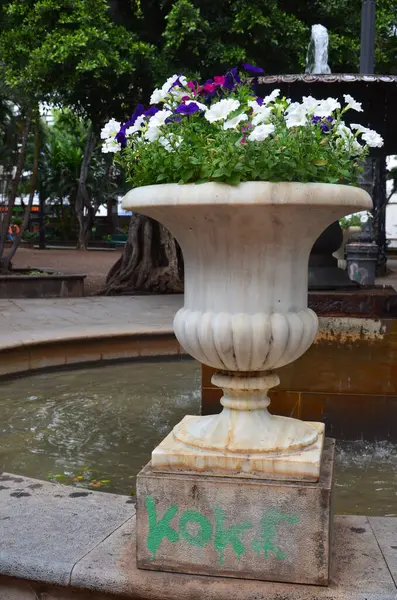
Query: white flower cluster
point(108, 134)
point(160, 94)
point(256, 119)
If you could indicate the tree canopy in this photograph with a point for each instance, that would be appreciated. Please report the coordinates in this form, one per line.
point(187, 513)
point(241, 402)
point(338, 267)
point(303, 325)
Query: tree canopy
point(102, 56)
point(71, 53)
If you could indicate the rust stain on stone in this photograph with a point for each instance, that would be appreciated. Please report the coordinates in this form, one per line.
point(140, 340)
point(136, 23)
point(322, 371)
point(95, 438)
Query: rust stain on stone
point(348, 330)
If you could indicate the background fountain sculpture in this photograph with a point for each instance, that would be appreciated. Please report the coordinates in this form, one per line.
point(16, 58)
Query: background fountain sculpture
point(317, 51)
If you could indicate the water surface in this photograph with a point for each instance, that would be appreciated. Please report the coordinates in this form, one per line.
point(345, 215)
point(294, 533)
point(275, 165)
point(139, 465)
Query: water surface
point(96, 428)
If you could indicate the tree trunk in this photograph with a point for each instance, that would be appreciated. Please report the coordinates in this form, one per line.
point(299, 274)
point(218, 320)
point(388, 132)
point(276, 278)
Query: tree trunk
point(151, 262)
point(82, 200)
point(33, 181)
point(6, 221)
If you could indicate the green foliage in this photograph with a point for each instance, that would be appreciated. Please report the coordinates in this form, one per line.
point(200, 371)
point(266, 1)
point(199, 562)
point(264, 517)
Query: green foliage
point(208, 153)
point(350, 221)
point(71, 53)
point(61, 158)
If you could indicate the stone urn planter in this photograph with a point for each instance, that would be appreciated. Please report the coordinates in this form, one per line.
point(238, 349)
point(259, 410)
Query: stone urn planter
point(246, 251)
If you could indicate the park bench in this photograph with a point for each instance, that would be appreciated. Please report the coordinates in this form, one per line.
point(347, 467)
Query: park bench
point(119, 239)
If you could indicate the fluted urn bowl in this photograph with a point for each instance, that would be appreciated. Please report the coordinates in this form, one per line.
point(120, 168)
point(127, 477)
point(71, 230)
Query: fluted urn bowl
point(246, 251)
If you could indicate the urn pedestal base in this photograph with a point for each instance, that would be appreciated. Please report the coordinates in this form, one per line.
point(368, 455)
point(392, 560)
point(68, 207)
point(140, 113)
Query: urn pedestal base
point(236, 527)
point(302, 464)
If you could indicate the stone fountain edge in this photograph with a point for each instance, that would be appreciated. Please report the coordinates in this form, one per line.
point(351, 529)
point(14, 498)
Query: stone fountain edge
point(62, 543)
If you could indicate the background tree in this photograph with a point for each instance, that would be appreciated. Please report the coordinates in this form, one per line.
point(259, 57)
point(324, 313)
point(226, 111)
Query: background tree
point(16, 120)
point(73, 55)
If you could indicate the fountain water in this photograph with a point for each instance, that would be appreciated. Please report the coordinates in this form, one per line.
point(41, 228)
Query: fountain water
point(317, 51)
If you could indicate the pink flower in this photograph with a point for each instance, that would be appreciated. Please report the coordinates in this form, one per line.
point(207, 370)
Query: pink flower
point(220, 79)
point(194, 87)
point(185, 98)
point(209, 87)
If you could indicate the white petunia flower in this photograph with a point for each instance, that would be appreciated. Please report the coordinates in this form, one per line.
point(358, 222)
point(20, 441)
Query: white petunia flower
point(152, 134)
point(373, 139)
point(359, 128)
point(111, 145)
point(352, 103)
point(167, 86)
point(170, 143)
point(326, 107)
point(292, 106)
point(261, 132)
point(344, 131)
point(254, 105)
point(271, 97)
point(157, 96)
point(159, 118)
point(199, 104)
point(110, 129)
point(232, 123)
point(296, 117)
point(262, 115)
point(220, 110)
point(160, 94)
point(136, 126)
point(310, 103)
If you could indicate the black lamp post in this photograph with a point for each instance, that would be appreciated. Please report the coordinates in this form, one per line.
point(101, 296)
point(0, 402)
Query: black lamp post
point(375, 172)
point(367, 42)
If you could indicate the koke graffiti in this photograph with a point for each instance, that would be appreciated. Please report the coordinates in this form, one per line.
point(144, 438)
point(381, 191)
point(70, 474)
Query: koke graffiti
point(219, 532)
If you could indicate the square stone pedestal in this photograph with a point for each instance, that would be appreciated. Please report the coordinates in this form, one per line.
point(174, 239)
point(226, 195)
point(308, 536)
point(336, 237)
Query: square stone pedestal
point(172, 456)
point(236, 527)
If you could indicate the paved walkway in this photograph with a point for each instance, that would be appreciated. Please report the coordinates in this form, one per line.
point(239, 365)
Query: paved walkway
point(38, 320)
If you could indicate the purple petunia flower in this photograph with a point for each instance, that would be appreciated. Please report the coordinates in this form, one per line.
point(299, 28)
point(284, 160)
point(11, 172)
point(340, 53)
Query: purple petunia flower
point(259, 100)
point(187, 109)
point(152, 110)
point(173, 119)
point(231, 78)
point(176, 82)
point(325, 124)
point(140, 109)
point(253, 69)
point(121, 137)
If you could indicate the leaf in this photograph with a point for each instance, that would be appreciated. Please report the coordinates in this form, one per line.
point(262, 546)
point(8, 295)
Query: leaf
point(320, 162)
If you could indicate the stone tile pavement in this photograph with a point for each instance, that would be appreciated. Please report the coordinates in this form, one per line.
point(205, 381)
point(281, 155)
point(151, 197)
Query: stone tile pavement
point(83, 542)
point(24, 321)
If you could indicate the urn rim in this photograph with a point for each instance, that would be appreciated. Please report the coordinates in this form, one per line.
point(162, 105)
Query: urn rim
point(248, 193)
